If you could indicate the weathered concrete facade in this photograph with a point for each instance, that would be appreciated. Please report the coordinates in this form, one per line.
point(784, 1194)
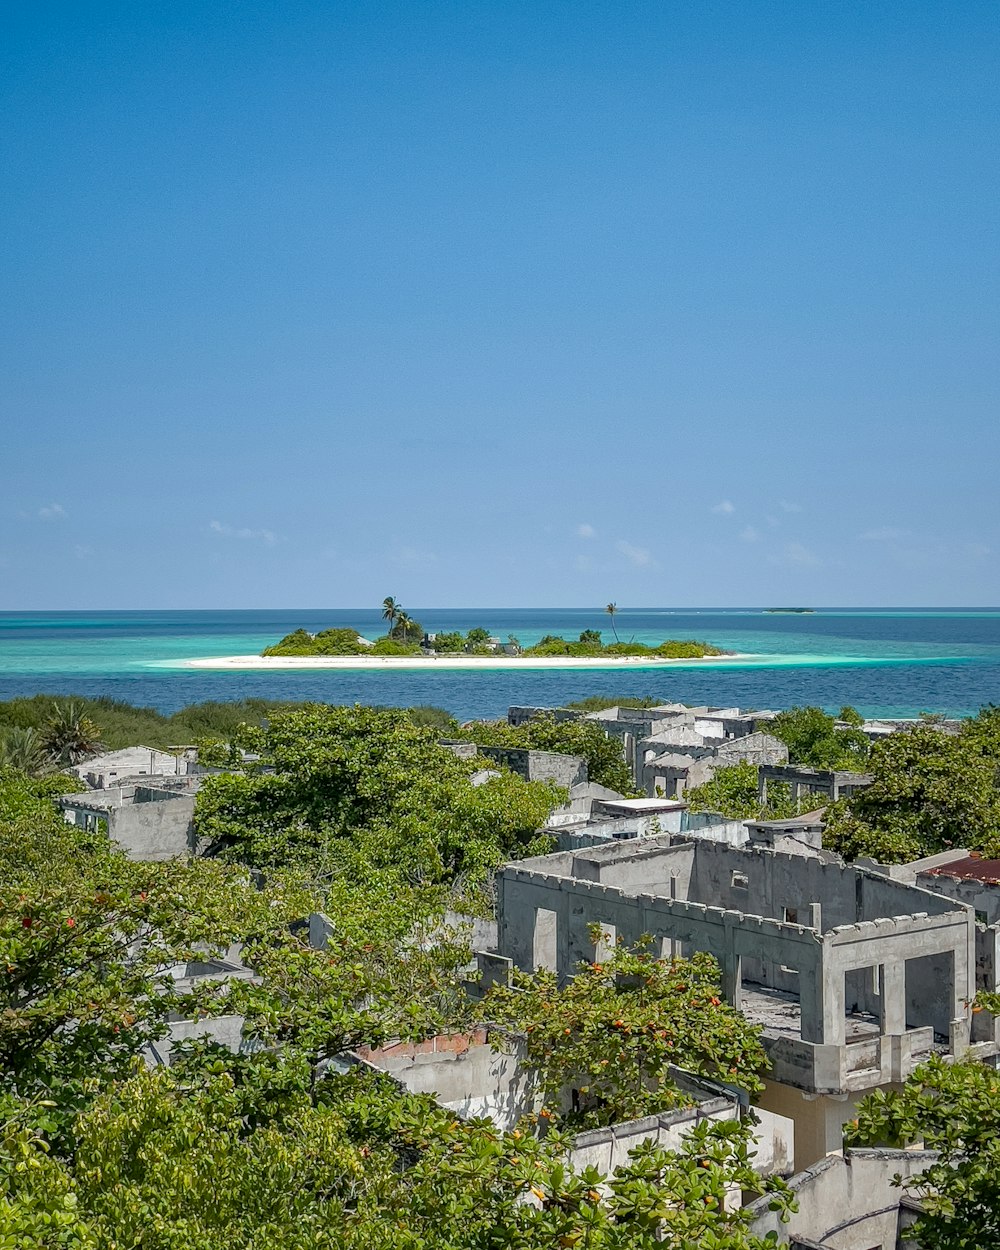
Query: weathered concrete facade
point(679, 759)
point(472, 1077)
point(113, 767)
point(855, 978)
point(149, 820)
point(564, 770)
point(848, 1202)
point(825, 783)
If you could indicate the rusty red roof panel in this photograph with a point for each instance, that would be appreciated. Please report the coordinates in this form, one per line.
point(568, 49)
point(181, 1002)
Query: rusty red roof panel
point(971, 868)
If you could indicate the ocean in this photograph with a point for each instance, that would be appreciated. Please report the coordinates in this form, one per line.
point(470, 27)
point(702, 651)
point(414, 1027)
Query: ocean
point(886, 662)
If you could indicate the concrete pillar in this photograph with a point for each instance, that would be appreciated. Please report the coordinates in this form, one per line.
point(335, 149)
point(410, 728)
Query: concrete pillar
point(892, 992)
point(732, 980)
point(821, 999)
point(961, 991)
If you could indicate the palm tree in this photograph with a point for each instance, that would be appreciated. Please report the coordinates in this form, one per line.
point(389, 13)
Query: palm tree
point(390, 612)
point(70, 736)
point(611, 609)
point(405, 622)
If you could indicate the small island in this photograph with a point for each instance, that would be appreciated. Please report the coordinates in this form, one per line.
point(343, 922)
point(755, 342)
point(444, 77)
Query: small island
point(406, 644)
point(789, 611)
point(479, 642)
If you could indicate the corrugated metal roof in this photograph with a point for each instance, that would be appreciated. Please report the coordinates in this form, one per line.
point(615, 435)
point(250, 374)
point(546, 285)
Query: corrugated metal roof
point(970, 867)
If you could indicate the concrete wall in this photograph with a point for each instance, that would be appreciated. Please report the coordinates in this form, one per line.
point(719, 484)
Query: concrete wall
point(608, 1148)
point(521, 715)
point(919, 965)
point(147, 822)
point(464, 1073)
point(981, 896)
point(225, 1030)
point(564, 770)
point(154, 828)
point(846, 1203)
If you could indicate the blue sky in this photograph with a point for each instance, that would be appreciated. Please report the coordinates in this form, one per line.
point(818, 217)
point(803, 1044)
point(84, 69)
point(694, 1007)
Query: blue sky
point(499, 303)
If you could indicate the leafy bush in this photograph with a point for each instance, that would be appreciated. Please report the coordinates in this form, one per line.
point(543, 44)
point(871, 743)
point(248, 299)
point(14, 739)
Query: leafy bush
point(366, 791)
point(326, 642)
point(613, 1032)
point(815, 740)
point(449, 642)
point(392, 646)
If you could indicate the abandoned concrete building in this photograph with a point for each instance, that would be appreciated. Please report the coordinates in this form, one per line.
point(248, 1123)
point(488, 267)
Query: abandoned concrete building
point(150, 818)
point(679, 759)
point(102, 771)
point(673, 748)
point(855, 977)
point(484, 1074)
point(808, 782)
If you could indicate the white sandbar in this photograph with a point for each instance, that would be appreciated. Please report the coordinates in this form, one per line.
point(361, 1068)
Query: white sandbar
point(450, 661)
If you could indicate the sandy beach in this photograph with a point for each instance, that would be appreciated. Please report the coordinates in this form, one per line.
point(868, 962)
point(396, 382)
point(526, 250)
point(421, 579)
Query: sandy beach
point(451, 662)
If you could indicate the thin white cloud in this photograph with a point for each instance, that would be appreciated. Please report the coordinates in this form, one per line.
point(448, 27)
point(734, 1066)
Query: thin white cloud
point(234, 531)
point(638, 556)
point(725, 507)
point(884, 534)
point(414, 558)
point(52, 512)
point(796, 555)
point(83, 552)
point(749, 535)
point(785, 506)
point(586, 531)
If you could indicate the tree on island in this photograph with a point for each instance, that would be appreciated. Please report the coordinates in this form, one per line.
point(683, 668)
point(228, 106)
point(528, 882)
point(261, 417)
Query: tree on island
point(404, 622)
point(612, 610)
point(391, 612)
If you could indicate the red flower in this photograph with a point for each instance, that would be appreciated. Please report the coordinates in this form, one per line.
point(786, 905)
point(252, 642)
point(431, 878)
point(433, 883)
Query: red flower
point(25, 922)
point(70, 922)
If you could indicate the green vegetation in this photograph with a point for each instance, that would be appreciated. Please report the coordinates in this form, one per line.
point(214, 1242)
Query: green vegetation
point(816, 740)
point(954, 1109)
point(931, 790)
point(605, 761)
point(24, 724)
point(614, 1031)
point(589, 644)
point(732, 792)
point(598, 702)
point(408, 633)
point(326, 642)
point(258, 1149)
point(364, 791)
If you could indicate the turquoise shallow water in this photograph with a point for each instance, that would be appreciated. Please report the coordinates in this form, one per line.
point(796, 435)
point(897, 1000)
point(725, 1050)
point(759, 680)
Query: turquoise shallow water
point(886, 662)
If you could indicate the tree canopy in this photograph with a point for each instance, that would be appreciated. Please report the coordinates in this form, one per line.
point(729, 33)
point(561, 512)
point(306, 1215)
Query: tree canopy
point(273, 1146)
point(613, 1033)
point(954, 1109)
point(605, 759)
point(365, 790)
point(816, 739)
point(931, 789)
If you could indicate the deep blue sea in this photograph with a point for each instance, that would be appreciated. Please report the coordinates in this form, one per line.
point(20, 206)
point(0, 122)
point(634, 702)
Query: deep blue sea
point(887, 662)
